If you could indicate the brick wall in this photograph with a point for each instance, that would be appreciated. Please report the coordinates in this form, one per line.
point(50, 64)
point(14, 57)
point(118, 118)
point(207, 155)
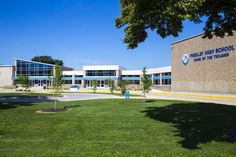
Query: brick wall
point(6, 74)
point(216, 75)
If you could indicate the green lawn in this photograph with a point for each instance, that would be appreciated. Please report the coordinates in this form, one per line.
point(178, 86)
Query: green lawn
point(118, 128)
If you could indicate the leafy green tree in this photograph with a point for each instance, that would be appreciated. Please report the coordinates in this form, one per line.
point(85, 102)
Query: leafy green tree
point(47, 59)
point(122, 84)
point(57, 81)
point(111, 84)
point(166, 17)
point(58, 62)
point(94, 84)
point(146, 83)
point(24, 81)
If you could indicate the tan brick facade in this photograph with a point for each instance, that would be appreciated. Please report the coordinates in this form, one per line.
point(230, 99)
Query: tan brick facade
point(6, 74)
point(216, 75)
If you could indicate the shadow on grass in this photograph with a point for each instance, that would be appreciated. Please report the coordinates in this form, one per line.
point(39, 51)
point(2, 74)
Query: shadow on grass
point(14, 102)
point(198, 122)
point(71, 106)
point(11, 105)
point(26, 99)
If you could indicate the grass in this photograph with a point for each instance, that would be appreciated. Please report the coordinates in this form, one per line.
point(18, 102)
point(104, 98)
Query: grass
point(24, 94)
point(118, 128)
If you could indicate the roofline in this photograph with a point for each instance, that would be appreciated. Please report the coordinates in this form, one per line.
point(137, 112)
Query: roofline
point(6, 65)
point(169, 66)
point(104, 65)
point(33, 61)
point(200, 34)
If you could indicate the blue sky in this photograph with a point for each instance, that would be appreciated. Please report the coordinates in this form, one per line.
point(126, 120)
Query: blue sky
point(80, 32)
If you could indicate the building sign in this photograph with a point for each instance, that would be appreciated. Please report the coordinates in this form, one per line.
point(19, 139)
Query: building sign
point(217, 53)
point(185, 59)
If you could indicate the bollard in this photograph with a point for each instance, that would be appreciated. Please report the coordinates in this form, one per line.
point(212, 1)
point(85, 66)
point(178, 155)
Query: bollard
point(127, 94)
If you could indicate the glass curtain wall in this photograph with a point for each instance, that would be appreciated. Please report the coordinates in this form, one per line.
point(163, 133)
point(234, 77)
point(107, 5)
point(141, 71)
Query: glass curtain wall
point(38, 72)
point(33, 69)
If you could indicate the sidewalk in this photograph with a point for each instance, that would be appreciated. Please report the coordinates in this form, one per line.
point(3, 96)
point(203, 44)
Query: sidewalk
point(212, 98)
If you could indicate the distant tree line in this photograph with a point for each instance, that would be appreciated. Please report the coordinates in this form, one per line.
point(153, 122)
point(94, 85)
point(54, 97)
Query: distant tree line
point(47, 59)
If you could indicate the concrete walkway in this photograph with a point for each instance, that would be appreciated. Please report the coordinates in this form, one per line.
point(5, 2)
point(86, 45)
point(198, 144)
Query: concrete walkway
point(220, 99)
point(66, 97)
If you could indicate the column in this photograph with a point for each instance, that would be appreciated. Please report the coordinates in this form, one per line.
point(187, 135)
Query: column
point(160, 79)
point(152, 79)
point(73, 79)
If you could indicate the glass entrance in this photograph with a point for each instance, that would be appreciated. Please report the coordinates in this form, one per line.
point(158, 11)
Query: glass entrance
point(40, 83)
point(100, 83)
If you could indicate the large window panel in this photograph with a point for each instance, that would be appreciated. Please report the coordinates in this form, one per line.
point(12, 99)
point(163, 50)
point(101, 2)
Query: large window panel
point(33, 69)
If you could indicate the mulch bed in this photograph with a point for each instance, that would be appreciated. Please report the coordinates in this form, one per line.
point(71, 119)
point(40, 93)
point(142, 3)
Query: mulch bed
point(51, 110)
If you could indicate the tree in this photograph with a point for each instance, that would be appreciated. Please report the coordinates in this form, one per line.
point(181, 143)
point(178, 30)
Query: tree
point(24, 81)
point(94, 84)
point(57, 81)
point(111, 84)
point(166, 17)
point(146, 83)
point(47, 59)
point(58, 62)
point(122, 84)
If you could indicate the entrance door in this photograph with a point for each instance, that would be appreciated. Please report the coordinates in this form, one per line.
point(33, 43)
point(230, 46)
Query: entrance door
point(102, 83)
point(88, 83)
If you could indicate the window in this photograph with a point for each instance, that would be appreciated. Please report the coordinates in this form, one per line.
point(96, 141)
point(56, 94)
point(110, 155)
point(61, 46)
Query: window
point(166, 78)
point(67, 81)
point(166, 74)
point(166, 81)
point(101, 73)
point(33, 69)
point(77, 81)
point(78, 75)
point(67, 75)
point(130, 75)
point(156, 82)
point(157, 74)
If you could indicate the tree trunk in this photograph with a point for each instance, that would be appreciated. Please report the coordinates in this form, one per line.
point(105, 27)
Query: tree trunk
point(144, 96)
point(55, 102)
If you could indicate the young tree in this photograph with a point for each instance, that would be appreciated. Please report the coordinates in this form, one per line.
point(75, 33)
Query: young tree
point(57, 81)
point(166, 18)
point(146, 83)
point(122, 84)
point(94, 84)
point(111, 84)
point(24, 81)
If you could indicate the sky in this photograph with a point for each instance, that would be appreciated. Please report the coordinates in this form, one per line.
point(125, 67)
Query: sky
point(79, 32)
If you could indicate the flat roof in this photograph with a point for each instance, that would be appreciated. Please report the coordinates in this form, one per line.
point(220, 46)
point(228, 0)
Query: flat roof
point(6, 65)
point(131, 72)
point(187, 38)
point(159, 70)
point(73, 72)
point(102, 67)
